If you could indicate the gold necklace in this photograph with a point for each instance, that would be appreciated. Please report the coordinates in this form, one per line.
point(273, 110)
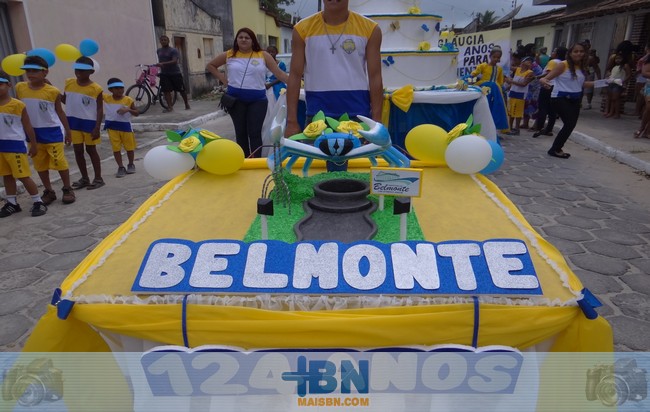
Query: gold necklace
point(334, 43)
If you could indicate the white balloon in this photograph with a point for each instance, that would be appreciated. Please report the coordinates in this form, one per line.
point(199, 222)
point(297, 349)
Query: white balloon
point(95, 65)
point(162, 163)
point(468, 154)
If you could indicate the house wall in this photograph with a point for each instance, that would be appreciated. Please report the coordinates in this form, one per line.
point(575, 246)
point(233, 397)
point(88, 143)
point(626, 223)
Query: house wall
point(605, 34)
point(527, 35)
point(285, 39)
point(123, 29)
point(247, 13)
point(197, 34)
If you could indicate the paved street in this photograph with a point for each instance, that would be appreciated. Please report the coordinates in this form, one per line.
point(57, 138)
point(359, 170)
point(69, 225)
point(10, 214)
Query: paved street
point(592, 208)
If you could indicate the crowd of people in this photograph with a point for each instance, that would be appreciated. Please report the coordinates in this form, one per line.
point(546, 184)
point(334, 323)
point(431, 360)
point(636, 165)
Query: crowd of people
point(541, 88)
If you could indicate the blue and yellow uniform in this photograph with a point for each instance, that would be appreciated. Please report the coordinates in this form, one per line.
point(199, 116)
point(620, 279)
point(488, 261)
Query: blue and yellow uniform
point(517, 94)
point(41, 108)
point(492, 77)
point(567, 85)
point(81, 110)
point(342, 86)
point(13, 147)
point(488, 73)
point(118, 125)
point(246, 75)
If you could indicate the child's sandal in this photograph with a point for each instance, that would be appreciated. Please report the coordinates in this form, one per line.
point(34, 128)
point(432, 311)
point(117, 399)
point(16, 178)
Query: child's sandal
point(81, 183)
point(96, 184)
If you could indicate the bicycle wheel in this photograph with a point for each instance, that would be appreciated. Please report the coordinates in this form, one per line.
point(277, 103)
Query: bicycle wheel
point(141, 97)
point(163, 102)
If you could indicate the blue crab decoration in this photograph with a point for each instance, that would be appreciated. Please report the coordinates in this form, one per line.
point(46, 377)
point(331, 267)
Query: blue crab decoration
point(335, 147)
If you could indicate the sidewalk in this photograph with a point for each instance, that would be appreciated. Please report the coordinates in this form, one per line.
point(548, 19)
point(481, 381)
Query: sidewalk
point(613, 138)
point(202, 111)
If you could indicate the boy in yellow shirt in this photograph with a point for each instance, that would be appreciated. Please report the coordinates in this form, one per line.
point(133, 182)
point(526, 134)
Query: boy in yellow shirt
point(118, 110)
point(14, 127)
point(43, 104)
point(517, 94)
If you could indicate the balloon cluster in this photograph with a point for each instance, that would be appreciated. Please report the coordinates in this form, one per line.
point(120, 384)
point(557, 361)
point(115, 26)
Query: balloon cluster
point(462, 148)
point(12, 64)
point(198, 147)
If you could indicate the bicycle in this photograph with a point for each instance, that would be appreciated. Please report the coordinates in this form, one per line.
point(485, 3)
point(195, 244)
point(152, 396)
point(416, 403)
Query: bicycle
point(146, 90)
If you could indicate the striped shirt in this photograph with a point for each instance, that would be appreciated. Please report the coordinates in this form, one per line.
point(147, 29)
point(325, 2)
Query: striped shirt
point(336, 78)
point(12, 135)
point(246, 75)
point(112, 119)
point(41, 108)
point(81, 105)
point(568, 86)
point(516, 91)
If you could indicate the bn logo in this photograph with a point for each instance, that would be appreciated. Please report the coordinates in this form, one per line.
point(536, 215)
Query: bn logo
point(321, 377)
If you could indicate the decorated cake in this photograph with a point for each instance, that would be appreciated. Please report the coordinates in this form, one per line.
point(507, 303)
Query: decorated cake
point(414, 50)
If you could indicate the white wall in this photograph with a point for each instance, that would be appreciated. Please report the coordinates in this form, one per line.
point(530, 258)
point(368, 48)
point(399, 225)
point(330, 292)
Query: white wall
point(123, 29)
point(528, 35)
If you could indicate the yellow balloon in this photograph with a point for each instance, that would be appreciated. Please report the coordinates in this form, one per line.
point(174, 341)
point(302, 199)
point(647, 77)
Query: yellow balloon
point(427, 142)
point(221, 157)
point(12, 63)
point(67, 52)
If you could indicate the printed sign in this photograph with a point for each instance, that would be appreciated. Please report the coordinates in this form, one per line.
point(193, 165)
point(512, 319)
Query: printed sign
point(396, 181)
point(474, 49)
point(462, 267)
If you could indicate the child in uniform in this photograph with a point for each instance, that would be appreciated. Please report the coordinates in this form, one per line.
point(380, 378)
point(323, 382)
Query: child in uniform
point(43, 103)
point(618, 76)
point(119, 109)
point(14, 127)
point(518, 89)
point(491, 75)
point(85, 108)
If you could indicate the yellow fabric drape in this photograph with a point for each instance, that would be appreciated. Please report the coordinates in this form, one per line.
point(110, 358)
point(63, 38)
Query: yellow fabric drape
point(402, 98)
point(452, 206)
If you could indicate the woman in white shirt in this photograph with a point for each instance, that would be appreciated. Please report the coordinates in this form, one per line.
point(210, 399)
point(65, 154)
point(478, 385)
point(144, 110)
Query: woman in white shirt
point(569, 78)
point(246, 66)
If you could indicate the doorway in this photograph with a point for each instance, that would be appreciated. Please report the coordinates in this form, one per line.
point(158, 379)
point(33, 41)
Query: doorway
point(180, 45)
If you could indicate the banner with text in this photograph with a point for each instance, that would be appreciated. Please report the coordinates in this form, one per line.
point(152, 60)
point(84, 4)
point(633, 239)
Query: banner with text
point(474, 49)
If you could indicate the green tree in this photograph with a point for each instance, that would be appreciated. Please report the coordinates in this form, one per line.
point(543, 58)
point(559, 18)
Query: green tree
point(275, 7)
point(486, 18)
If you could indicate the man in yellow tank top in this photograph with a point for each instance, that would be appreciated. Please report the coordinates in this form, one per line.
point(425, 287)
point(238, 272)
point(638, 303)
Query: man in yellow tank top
point(338, 52)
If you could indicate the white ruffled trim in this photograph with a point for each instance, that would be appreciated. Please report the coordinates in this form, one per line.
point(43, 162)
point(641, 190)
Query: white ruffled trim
point(532, 238)
point(314, 303)
point(136, 225)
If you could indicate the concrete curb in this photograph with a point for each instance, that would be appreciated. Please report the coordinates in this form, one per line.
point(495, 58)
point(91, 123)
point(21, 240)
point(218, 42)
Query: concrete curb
point(159, 127)
point(616, 154)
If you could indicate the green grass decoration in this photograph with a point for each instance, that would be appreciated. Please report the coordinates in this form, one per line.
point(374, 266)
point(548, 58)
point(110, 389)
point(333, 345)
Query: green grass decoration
point(280, 225)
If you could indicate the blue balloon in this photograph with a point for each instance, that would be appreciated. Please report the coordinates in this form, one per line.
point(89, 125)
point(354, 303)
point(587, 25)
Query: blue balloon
point(47, 55)
point(88, 47)
point(497, 158)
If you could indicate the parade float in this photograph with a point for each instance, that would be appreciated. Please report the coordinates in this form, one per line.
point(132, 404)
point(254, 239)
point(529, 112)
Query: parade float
point(404, 251)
